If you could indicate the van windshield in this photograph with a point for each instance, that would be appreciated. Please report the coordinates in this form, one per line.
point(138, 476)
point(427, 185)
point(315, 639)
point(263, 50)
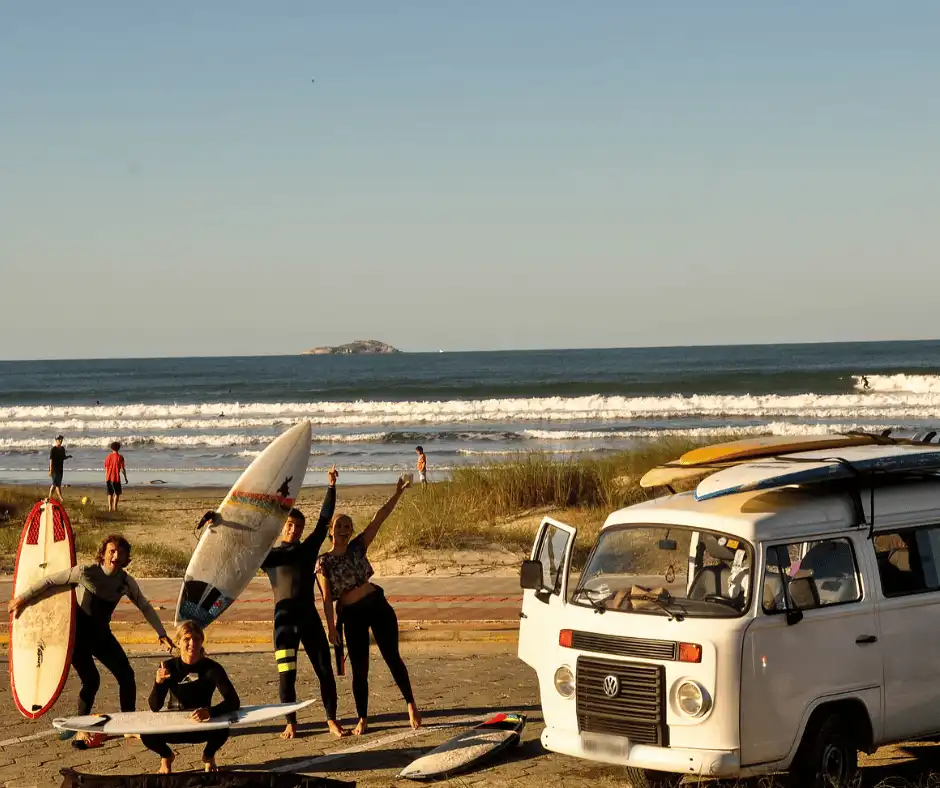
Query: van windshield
point(668, 571)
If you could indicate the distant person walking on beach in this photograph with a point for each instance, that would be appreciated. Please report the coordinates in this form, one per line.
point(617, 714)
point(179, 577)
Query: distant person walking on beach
point(422, 466)
point(57, 458)
point(113, 468)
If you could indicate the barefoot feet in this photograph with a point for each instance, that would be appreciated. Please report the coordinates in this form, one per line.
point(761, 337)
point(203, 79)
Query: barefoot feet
point(210, 764)
point(414, 716)
point(336, 729)
point(362, 727)
point(166, 765)
point(289, 732)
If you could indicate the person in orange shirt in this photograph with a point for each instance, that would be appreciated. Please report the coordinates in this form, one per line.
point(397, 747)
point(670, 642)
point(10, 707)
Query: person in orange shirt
point(422, 466)
point(113, 468)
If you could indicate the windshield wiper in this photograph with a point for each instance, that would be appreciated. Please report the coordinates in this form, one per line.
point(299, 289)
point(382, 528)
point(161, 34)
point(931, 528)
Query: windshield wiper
point(597, 604)
point(664, 606)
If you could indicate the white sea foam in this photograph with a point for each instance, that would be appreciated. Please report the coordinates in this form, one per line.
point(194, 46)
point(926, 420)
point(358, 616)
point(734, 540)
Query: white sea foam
point(910, 384)
point(894, 405)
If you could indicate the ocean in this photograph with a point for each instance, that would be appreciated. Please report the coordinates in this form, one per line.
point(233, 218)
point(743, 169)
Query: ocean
point(197, 421)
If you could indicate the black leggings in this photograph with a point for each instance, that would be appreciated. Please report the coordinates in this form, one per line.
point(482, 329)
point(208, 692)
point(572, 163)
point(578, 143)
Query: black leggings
point(290, 630)
point(373, 611)
point(95, 641)
point(214, 740)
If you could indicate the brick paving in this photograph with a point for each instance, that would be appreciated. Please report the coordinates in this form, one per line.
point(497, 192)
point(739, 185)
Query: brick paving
point(453, 682)
point(417, 601)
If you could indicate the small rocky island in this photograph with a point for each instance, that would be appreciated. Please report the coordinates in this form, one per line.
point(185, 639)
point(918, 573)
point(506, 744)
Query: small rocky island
point(360, 347)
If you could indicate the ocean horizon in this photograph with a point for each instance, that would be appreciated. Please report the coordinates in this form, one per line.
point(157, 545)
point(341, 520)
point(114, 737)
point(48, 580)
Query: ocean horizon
point(196, 421)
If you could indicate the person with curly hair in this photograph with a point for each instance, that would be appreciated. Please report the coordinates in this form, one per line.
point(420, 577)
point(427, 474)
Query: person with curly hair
point(98, 589)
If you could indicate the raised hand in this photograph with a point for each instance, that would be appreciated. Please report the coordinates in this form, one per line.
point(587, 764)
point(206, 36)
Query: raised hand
point(162, 674)
point(333, 474)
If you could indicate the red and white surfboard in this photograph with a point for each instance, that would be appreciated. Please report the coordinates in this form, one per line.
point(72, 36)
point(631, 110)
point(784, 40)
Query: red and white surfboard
point(42, 637)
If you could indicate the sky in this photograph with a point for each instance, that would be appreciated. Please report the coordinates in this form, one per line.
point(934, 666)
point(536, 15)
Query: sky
point(241, 178)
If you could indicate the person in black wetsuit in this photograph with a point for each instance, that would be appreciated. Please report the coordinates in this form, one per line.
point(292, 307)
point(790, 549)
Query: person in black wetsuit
point(190, 679)
point(289, 567)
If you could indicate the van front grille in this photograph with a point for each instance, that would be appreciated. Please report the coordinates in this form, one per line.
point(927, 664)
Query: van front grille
point(665, 650)
point(637, 709)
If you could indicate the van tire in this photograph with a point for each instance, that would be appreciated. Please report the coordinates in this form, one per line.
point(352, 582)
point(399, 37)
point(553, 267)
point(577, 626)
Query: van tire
point(648, 778)
point(827, 756)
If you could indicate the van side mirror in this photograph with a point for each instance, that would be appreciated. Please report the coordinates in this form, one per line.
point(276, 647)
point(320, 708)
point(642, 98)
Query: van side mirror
point(530, 576)
point(803, 596)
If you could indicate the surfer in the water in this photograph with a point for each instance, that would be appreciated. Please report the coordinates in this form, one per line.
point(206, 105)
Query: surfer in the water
point(290, 569)
point(343, 574)
point(98, 589)
point(190, 679)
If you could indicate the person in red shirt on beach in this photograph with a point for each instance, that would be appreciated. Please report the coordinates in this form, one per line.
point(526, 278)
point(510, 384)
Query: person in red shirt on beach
point(113, 468)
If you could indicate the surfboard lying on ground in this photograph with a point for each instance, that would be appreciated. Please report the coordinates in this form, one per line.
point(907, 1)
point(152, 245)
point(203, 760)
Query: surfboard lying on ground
point(232, 547)
point(165, 722)
point(817, 466)
point(468, 749)
point(42, 637)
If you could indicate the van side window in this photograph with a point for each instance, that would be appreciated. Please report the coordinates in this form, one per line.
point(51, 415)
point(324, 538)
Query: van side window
point(810, 575)
point(551, 553)
point(907, 561)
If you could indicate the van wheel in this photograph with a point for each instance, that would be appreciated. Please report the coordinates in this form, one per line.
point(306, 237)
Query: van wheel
point(647, 778)
point(827, 757)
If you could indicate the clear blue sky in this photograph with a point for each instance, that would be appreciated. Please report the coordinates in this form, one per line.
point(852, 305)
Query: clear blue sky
point(476, 175)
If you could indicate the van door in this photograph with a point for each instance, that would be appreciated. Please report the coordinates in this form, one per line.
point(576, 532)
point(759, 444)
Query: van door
point(539, 619)
point(908, 565)
point(786, 670)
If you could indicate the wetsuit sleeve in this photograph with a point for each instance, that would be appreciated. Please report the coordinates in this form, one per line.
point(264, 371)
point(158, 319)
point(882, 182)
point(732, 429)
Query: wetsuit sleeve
point(274, 558)
point(143, 605)
point(160, 691)
point(230, 700)
point(67, 577)
point(314, 542)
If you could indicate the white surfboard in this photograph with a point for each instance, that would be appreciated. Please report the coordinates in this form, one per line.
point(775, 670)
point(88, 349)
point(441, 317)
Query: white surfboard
point(817, 466)
point(231, 549)
point(468, 749)
point(165, 722)
point(42, 637)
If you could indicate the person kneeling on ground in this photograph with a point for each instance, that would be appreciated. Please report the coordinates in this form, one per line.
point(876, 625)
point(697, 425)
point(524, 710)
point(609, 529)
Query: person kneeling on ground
point(343, 574)
point(190, 679)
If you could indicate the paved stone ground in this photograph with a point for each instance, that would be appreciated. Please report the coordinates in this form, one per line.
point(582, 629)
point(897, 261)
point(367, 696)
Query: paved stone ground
point(452, 682)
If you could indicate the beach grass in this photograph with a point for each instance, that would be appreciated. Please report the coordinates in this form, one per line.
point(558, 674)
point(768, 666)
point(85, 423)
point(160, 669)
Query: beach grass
point(91, 523)
point(502, 503)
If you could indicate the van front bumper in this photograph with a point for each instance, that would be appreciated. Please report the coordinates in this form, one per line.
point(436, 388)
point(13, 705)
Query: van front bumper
point(711, 763)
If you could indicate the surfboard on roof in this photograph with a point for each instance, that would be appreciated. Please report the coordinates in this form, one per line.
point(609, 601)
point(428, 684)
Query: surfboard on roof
point(818, 466)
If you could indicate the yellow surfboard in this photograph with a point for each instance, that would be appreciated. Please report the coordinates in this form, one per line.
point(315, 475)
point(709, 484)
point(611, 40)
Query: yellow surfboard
point(667, 474)
point(771, 445)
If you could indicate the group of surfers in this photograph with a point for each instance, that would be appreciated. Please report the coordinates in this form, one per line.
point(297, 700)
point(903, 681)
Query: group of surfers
point(352, 606)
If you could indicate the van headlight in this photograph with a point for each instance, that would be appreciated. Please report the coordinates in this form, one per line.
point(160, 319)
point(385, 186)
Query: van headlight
point(564, 681)
point(692, 698)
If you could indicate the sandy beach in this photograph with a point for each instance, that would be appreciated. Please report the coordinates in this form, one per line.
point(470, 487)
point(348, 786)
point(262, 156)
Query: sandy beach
point(159, 521)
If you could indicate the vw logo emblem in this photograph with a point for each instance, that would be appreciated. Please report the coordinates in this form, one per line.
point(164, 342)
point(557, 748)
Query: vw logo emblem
point(611, 686)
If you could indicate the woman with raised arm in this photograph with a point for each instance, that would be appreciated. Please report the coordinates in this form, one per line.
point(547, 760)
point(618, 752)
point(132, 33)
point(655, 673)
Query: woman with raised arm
point(343, 574)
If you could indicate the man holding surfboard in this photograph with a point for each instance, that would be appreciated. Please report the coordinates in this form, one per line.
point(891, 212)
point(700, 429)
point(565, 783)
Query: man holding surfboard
point(290, 569)
point(98, 589)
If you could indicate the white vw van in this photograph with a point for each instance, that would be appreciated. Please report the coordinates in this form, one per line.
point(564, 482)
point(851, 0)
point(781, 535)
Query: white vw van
point(748, 634)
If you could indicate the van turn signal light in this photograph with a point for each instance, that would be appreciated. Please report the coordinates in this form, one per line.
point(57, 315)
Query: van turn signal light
point(565, 638)
point(690, 652)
